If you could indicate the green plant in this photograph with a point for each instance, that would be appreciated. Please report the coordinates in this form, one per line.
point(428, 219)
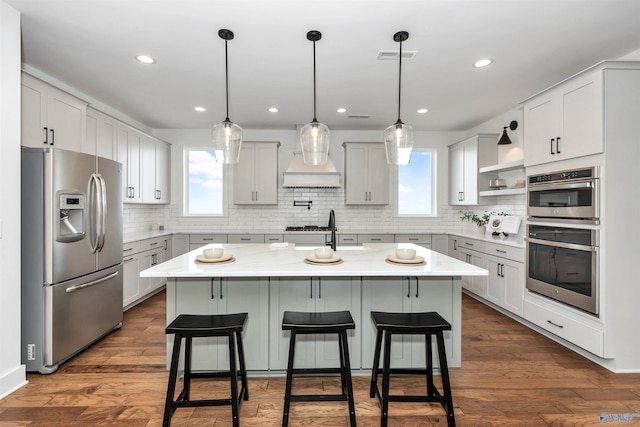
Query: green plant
point(478, 220)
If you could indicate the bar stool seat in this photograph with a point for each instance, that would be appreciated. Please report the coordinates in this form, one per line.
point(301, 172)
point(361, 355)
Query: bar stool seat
point(337, 322)
point(427, 324)
point(189, 326)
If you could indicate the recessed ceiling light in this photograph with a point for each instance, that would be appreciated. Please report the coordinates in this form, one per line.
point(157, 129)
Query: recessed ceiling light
point(341, 110)
point(421, 110)
point(145, 59)
point(273, 109)
point(483, 62)
point(200, 109)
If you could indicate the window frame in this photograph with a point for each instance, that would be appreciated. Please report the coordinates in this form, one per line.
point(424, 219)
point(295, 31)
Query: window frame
point(434, 187)
point(185, 186)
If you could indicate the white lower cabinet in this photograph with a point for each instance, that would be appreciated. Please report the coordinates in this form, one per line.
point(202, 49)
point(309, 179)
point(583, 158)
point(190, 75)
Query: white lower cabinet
point(505, 286)
point(223, 296)
point(137, 256)
point(313, 294)
point(405, 295)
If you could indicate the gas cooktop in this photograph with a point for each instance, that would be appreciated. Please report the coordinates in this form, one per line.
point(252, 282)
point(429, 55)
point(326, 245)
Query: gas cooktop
point(308, 228)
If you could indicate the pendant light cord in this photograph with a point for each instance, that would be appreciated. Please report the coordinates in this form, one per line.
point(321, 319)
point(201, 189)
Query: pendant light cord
point(314, 82)
point(399, 83)
point(226, 78)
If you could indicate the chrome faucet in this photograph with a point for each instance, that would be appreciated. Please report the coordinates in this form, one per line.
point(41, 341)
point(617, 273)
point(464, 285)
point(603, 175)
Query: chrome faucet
point(332, 226)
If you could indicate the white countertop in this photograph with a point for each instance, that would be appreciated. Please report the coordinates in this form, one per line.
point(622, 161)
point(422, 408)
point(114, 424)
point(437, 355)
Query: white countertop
point(262, 260)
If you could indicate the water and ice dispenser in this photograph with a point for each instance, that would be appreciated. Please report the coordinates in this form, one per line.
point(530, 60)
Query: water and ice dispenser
point(72, 217)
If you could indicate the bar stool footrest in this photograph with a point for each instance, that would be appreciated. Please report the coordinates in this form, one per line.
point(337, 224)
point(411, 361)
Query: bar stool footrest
point(318, 397)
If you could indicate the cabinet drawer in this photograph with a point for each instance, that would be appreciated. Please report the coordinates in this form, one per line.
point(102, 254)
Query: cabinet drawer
point(505, 251)
point(155, 243)
point(418, 239)
point(376, 238)
point(347, 239)
point(130, 248)
point(245, 238)
point(319, 239)
point(207, 238)
point(273, 238)
point(472, 244)
point(573, 330)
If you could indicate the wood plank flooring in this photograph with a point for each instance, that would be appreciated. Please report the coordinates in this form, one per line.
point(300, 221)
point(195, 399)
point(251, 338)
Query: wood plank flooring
point(510, 375)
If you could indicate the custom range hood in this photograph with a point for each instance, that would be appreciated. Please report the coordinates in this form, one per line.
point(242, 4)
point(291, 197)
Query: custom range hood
point(300, 174)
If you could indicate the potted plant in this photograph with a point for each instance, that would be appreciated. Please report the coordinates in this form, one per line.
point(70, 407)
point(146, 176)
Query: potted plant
point(479, 220)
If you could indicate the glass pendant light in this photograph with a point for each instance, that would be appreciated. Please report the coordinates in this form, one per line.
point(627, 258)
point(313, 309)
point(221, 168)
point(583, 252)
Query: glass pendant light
point(398, 138)
point(227, 136)
point(314, 136)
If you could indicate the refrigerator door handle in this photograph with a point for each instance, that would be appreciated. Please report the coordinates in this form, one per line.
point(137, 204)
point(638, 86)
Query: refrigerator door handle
point(95, 222)
point(103, 212)
point(93, 283)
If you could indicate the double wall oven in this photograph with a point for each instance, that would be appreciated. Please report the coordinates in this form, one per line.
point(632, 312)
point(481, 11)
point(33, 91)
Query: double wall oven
point(563, 254)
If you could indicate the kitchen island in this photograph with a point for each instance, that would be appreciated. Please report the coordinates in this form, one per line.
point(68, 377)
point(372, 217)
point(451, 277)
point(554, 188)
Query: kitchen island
point(265, 280)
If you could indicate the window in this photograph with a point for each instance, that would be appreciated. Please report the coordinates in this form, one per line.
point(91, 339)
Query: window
point(416, 185)
point(203, 190)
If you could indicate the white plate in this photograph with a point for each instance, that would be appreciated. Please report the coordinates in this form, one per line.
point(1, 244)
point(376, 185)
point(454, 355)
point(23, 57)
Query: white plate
point(224, 257)
point(417, 260)
point(335, 258)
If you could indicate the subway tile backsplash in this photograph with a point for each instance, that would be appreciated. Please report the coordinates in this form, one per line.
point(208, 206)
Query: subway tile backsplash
point(376, 219)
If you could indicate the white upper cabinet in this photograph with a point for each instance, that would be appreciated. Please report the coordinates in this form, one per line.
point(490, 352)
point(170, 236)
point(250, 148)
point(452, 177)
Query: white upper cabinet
point(366, 174)
point(129, 156)
point(51, 117)
point(565, 122)
point(256, 175)
point(102, 135)
point(465, 160)
point(155, 170)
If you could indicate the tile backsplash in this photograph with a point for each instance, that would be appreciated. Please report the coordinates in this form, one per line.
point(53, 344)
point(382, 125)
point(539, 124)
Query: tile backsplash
point(373, 219)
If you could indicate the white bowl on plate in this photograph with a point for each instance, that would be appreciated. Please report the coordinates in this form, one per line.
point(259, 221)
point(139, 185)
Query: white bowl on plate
point(323, 252)
point(405, 253)
point(213, 253)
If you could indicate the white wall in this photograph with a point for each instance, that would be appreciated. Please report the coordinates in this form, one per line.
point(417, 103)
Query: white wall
point(12, 373)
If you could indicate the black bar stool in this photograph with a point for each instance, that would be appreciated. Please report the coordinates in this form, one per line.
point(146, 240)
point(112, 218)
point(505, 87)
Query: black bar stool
point(189, 326)
point(426, 324)
point(337, 322)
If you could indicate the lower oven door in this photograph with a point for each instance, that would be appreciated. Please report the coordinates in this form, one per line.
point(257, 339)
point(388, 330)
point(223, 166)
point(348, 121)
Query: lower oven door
point(565, 272)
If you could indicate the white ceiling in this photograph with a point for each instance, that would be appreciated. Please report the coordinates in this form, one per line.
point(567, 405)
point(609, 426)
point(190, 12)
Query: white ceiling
point(91, 44)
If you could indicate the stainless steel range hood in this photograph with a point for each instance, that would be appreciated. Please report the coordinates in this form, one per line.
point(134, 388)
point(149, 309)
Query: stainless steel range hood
point(300, 174)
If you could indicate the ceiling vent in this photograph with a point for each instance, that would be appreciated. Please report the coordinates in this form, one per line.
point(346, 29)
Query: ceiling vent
point(358, 116)
point(394, 54)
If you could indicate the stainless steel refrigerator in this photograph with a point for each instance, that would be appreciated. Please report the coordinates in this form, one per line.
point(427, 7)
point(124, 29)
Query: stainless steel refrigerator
point(71, 254)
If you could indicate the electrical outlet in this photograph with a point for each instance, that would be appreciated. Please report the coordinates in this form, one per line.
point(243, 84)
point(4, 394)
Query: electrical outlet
point(31, 352)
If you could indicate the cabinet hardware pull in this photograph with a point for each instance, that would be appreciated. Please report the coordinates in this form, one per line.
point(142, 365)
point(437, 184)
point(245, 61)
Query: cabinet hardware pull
point(319, 288)
point(53, 136)
point(221, 288)
point(555, 324)
point(501, 251)
point(552, 139)
point(311, 288)
point(127, 249)
point(376, 239)
point(207, 238)
point(408, 287)
point(501, 270)
point(244, 239)
point(498, 269)
point(212, 295)
point(46, 136)
point(468, 244)
point(128, 259)
point(558, 145)
point(455, 244)
point(417, 288)
point(153, 243)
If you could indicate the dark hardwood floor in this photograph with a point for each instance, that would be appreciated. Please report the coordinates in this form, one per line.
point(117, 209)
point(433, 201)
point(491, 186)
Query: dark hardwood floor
point(510, 376)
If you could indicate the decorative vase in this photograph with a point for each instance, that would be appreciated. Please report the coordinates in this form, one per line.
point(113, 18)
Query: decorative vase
point(482, 229)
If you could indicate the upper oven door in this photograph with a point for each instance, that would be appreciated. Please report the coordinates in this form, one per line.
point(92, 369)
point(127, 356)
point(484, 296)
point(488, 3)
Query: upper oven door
point(574, 200)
